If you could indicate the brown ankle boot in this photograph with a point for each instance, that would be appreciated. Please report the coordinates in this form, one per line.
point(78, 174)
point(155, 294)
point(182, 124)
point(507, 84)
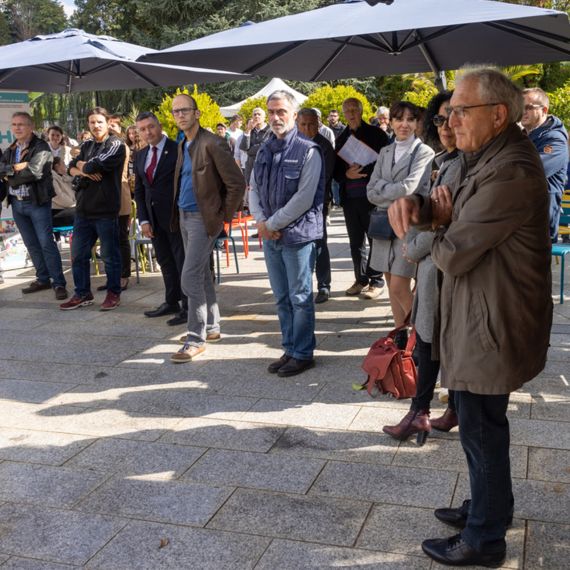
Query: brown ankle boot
point(415, 421)
point(446, 422)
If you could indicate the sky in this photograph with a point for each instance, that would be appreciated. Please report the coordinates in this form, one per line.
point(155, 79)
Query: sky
point(68, 6)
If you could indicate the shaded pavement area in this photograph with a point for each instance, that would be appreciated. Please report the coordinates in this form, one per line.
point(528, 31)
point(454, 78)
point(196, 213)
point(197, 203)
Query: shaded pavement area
point(112, 457)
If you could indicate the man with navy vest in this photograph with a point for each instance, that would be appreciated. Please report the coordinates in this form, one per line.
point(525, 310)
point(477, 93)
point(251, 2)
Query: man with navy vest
point(286, 200)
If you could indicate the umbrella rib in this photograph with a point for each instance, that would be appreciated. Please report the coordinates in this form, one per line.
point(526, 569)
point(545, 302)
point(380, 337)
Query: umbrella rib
point(529, 30)
point(331, 59)
point(288, 48)
point(433, 36)
point(427, 54)
point(527, 36)
point(139, 73)
point(378, 45)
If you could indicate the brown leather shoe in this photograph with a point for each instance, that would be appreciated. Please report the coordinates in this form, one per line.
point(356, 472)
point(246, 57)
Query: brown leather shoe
point(415, 421)
point(36, 286)
point(447, 422)
point(187, 353)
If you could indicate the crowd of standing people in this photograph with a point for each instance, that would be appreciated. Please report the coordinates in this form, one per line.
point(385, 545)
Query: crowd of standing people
point(468, 210)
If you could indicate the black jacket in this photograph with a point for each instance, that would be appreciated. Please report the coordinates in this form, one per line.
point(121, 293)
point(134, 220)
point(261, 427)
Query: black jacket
point(37, 174)
point(155, 201)
point(100, 199)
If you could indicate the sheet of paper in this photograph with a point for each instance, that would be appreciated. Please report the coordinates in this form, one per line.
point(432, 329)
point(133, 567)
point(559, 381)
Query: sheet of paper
point(356, 152)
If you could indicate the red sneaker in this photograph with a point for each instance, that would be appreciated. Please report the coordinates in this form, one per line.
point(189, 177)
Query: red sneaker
point(112, 301)
point(76, 301)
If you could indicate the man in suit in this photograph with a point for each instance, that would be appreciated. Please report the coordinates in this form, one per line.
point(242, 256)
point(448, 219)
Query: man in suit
point(154, 195)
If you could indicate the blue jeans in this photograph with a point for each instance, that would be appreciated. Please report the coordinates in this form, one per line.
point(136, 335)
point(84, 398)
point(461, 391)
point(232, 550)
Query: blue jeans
point(85, 234)
point(35, 226)
point(290, 271)
point(484, 433)
point(196, 278)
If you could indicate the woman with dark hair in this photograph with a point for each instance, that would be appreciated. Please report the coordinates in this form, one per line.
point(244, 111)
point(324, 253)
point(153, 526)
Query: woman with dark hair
point(416, 249)
point(56, 140)
point(401, 170)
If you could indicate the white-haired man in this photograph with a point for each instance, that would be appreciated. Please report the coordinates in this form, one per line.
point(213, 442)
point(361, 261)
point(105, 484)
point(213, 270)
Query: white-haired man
point(492, 248)
point(286, 200)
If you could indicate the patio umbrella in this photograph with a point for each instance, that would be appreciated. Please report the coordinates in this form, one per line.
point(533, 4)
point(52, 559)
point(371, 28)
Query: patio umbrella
point(355, 39)
point(73, 60)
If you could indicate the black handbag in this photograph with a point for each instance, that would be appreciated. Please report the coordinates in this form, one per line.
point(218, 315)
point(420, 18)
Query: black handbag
point(379, 226)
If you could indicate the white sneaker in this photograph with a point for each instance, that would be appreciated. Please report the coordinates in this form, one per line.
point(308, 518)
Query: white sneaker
point(371, 292)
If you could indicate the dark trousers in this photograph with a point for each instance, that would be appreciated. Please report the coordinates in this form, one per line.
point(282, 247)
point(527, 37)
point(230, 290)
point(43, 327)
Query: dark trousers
point(428, 370)
point(357, 219)
point(323, 263)
point(484, 432)
point(125, 245)
point(170, 256)
point(85, 234)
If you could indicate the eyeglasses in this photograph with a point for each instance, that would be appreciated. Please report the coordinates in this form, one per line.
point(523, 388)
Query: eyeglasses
point(459, 110)
point(440, 120)
point(533, 106)
point(183, 111)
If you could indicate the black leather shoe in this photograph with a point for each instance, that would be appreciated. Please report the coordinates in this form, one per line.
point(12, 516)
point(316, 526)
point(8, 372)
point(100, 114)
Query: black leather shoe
point(274, 367)
point(322, 296)
point(454, 551)
point(36, 286)
point(180, 319)
point(294, 367)
point(457, 518)
point(162, 310)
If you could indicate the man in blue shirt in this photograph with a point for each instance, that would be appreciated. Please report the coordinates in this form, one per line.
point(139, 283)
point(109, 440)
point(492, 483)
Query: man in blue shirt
point(209, 187)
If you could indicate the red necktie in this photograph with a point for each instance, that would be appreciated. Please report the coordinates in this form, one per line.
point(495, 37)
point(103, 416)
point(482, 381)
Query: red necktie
point(151, 167)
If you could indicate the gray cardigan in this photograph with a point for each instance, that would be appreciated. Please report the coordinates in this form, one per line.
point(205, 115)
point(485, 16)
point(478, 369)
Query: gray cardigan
point(392, 181)
point(418, 244)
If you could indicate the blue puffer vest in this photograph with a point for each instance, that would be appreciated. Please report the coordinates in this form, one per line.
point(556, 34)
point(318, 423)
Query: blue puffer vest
point(277, 179)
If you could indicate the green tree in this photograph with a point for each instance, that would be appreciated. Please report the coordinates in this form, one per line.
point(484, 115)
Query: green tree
point(560, 103)
point(327, 97)
point(28, 18)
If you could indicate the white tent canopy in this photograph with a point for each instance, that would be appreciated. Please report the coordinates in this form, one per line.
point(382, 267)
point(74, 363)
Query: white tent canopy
point(275, 84)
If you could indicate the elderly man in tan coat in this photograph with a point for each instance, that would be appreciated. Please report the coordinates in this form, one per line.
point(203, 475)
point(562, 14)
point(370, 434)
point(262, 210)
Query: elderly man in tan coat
point(491, 244)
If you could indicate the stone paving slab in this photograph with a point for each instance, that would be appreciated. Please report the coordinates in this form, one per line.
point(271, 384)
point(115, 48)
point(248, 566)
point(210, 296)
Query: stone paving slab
point(381, 483)
point(537, 433)
point(447, 454)
point(30, 392)
point(40, 446)
point(312, 519)
point(157, 500)
point(271, 472)
point(547, 546)
point(551, 407)
point(290, 555)
point(341, 445)
point(3, 558)
point(46, 485)
point(53, 535)
point(308, 415)
point(137, 458)
point(549, 464)
point(17, 563)
point(138, 546)
point(401, 530)
point(83, 421)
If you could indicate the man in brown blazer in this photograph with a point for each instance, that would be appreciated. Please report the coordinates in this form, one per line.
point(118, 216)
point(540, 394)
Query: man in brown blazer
point(492, 248)
point(209, 188)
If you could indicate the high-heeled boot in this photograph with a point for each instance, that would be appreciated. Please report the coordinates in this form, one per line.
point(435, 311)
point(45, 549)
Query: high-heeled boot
point(447, 422)
point(415, 421)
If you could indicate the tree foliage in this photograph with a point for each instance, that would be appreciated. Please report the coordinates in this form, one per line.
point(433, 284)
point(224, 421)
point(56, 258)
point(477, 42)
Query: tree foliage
point(560, 103)
point(210, 114)
point(24, 19)
point(327, 97)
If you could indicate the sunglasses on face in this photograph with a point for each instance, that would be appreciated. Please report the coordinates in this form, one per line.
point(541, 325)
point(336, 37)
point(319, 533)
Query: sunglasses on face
point(440, 120)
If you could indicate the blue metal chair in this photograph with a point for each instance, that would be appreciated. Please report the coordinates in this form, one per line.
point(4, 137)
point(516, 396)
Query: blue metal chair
point(561, 250)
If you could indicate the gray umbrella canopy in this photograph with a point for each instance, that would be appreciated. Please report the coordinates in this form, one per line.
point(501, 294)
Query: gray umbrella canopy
point(354, 39)
point(73, 60)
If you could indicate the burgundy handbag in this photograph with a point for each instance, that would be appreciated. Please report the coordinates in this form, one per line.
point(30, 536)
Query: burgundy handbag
point(389, 369)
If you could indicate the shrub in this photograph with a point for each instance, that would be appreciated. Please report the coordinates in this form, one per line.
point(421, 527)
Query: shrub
point(560, 103)
point(210, 114)
point(326, 98)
